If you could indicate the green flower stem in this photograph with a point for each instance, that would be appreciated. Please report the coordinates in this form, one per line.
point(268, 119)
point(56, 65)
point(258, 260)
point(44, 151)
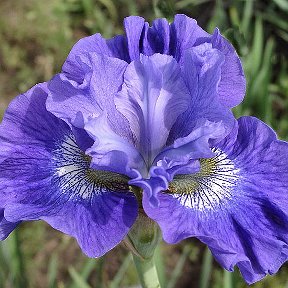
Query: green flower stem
point(147, 272)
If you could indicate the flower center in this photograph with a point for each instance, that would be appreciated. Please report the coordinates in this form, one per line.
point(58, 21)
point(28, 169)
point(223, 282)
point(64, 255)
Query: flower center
point(208, 188)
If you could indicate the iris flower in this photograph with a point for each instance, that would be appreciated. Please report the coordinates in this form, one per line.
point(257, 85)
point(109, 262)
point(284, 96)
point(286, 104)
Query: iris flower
point(143, 122)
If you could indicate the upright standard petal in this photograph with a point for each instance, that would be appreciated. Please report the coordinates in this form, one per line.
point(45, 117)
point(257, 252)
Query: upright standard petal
point(126, 47)
point(202, 73)
point(238, 196)
point(152, 97)
point(156, 39)
point(172, 39)
point(184, 33)
point(92, 44)
point(54, 180)
point(116, 47)
point(232, 85)
point(76, 103)
point(133, 30)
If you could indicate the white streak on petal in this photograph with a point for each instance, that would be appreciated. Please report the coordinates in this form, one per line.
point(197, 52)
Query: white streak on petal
point(76, 179)
point(210, 188)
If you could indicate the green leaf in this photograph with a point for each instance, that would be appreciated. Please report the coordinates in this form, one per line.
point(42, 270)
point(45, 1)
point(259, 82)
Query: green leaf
point(247, 15)
point(276, 19)
point(257, 47)
point(185, 3)
point(77, 278)
point(17, 267)
point(88, 266)
point(283, 4)
point(115, 283)
point(160, 265)
point(52, 271)
point(206, 269)
point(227, 279)
point(219, 18)
point(179, 267)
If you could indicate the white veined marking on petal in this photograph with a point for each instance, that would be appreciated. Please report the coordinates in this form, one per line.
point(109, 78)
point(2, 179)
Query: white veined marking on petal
point(71, 167)
point(211, 187)
point(74, 176)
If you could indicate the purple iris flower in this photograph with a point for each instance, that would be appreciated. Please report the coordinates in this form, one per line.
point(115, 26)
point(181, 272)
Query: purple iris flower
point(151, 109)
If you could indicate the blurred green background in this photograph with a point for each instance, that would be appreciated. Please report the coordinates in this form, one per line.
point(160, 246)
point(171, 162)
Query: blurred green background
point(35, 38)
